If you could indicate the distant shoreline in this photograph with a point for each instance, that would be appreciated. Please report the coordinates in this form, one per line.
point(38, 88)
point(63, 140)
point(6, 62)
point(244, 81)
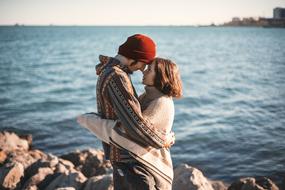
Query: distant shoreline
point(143, 26)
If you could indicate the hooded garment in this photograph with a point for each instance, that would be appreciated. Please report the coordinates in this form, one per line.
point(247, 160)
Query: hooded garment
point(141, 133)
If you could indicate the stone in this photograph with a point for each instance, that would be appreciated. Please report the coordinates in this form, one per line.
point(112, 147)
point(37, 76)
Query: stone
point(219, 185)
point(100, 182)
point(90, 162)
point(52, 160)
point(75, 180)
point(77, 158)
point(95, 164)
point(279, 179)
point(10, 175)
point(47, 180)
point(28, 138)
point(3, 157)
point(69, 165)
point(38, 177)
point(33, 169)
point(250, 183)
point(266, 183)
point(37, 154)
point(10, 142)
point(187, 177)
point(34, 187)
point(22, 157)
point(60, 168)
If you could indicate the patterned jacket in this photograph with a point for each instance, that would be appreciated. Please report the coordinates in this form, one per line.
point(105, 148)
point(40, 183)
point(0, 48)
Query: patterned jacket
point(117, 99)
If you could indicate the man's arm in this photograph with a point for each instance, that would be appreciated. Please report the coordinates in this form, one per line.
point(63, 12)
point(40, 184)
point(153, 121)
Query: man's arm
point(128, 111)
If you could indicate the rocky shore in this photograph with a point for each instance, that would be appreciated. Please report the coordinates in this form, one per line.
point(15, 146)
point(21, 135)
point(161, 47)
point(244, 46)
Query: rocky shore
point(22, 167)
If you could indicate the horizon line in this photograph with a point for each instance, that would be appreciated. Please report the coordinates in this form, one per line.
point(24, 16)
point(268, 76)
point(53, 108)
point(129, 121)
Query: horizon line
point(138, 25)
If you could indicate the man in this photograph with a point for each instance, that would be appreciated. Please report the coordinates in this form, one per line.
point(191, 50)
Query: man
point(117, 99)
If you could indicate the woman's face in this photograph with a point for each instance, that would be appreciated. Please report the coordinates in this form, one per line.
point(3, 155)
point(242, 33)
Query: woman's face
point(149, 75)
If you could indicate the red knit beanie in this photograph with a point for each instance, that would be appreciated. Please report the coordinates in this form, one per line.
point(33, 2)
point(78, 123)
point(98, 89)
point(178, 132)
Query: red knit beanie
point(138, 47)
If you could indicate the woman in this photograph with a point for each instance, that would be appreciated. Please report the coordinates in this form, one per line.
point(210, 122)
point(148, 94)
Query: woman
point(162, 83)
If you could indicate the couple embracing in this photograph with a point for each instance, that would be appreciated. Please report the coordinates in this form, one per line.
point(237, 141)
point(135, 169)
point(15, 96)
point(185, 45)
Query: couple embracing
point(136, 130)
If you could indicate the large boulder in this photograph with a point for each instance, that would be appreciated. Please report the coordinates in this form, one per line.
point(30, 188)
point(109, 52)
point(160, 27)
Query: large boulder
point(189, 178)
point(253, 184)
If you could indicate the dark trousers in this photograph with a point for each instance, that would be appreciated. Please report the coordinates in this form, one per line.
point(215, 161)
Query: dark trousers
point(132, 176)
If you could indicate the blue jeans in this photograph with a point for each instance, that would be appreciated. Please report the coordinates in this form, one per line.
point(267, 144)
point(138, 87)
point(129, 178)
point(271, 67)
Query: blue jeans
point(132, 176)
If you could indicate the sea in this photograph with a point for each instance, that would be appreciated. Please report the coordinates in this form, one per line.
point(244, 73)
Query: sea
point(230, 122)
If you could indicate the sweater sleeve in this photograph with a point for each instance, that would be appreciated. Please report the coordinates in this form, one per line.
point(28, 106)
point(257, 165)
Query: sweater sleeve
point(128, 111)
point(100, 127)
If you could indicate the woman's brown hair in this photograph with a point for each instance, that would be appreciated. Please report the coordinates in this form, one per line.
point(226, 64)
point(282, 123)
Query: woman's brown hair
point(167, 77)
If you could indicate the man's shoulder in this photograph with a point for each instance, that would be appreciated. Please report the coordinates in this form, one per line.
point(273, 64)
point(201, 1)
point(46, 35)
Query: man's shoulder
point(114, 72)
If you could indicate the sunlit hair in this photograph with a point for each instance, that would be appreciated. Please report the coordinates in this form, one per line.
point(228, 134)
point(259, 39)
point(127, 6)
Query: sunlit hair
point(167, 77)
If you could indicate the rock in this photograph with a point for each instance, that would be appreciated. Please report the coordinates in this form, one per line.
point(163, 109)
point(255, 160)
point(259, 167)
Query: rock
point(266, 183)
point(279, 179)
point(10, 142)
point(66, 167)
point(219, 185)
point(3, 157)
point(48, 179)
point(100, 182)
point(187, 177)
point(37, 154)
point(38, 177)
point(74, 180)
point(253, 184)
point(60, 168)
point(34, 187)
point(69, 165)
point(90, 162)
point(95, 164)
point(10, 175)
point(28, 138)
point(77, 157)
point(33, 169)
point(29, 169)
point(22, 157)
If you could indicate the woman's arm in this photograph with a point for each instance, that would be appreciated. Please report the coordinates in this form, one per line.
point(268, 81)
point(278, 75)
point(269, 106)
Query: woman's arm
point(100, 127)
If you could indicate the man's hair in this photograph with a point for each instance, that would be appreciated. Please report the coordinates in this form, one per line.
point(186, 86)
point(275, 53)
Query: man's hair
point(134, 63)
point(167, 77)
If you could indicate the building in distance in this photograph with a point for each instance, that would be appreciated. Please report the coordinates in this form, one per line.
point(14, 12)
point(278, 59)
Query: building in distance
point(278, 20)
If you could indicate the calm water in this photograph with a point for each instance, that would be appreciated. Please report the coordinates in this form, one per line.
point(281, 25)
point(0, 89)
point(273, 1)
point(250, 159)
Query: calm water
point(230, 123)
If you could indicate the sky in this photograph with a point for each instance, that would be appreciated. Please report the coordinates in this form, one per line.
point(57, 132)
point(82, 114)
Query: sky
point(132, 12)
